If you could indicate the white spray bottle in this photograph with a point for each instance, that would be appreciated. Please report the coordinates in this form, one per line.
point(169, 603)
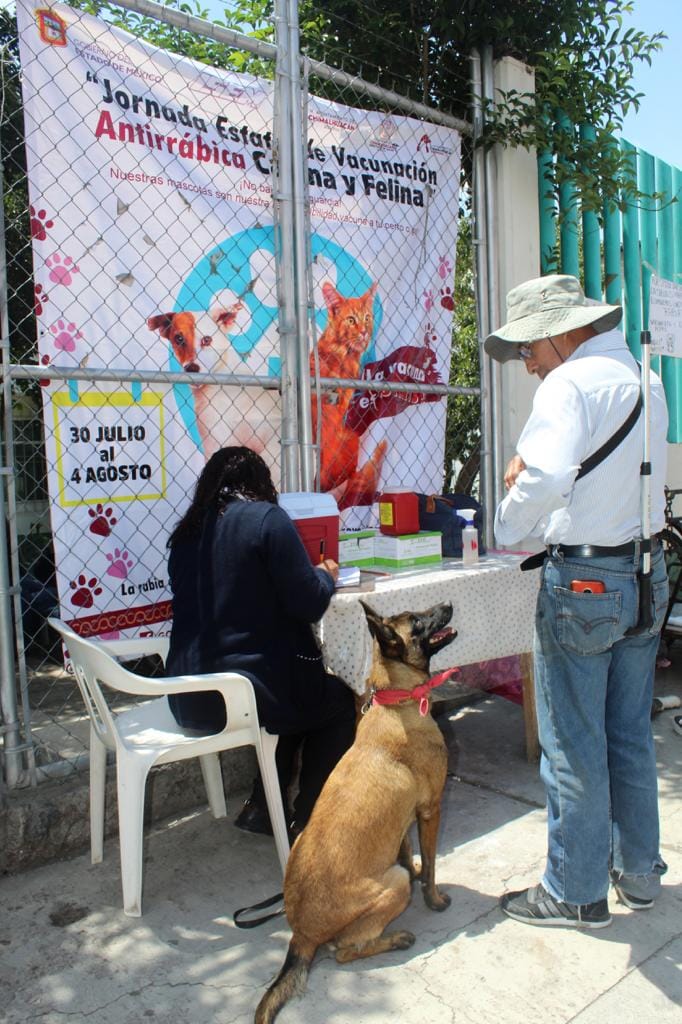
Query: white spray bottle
point(469, 537)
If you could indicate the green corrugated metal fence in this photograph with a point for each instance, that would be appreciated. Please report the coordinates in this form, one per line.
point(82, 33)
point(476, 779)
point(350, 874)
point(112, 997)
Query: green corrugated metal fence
point(616, 259)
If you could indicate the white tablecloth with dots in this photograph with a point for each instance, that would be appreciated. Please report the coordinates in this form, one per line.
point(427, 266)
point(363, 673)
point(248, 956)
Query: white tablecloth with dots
point(493, 612)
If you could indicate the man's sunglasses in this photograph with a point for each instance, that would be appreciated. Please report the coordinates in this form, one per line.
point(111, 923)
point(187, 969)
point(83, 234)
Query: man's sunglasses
point(526, 351)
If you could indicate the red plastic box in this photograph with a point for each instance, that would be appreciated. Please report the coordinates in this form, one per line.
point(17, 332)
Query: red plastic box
point(398, 512)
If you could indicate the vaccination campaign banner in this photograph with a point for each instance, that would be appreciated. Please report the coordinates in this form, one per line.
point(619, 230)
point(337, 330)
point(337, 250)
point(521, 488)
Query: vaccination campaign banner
point(150, 180)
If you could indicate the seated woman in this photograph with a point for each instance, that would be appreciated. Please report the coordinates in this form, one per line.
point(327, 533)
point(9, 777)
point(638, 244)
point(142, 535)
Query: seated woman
point(244, 597)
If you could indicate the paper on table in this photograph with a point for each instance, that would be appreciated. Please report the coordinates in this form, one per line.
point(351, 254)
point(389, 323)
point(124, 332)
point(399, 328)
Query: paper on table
point(349, 577)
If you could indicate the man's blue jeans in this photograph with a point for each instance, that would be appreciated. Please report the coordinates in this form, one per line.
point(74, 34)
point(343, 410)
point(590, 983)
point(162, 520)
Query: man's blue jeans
point(594, 689)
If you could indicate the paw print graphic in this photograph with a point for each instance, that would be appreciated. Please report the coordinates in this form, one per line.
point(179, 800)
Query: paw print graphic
point(430, 336)
point(45, 382)
point(121, 564)
point(40, 225)
point(113, 634)
point(65, 336)
point(446, 298)
point(444, 267)
point(62, 270)
point(102, 520)
point(39, 298)
point(84, 591)
point(428, 300)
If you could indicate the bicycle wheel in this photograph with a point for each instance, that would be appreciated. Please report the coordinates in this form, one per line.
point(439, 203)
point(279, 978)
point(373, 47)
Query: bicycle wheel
point(672, 552)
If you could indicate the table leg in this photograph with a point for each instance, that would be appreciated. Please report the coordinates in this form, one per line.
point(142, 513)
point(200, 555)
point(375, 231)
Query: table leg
point(529, 712)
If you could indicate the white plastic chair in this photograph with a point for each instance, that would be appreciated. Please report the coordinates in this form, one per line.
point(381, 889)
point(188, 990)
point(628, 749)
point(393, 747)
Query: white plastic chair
point(147, 734)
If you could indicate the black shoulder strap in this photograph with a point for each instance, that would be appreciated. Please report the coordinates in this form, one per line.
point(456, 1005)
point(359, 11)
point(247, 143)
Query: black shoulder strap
point(613, 442)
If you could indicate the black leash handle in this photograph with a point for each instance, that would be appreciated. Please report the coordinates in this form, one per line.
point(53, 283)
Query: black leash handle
point(256, 921)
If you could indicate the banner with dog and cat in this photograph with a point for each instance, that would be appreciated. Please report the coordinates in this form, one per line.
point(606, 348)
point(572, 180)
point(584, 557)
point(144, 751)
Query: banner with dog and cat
point(150, 180)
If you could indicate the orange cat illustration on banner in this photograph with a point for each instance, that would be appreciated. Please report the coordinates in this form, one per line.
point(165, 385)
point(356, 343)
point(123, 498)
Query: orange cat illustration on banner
point(340, 349)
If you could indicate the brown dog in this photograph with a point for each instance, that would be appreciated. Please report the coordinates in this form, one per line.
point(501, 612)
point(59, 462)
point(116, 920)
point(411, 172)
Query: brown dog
point(350, 870)
point(181, 330)
point(225, 414)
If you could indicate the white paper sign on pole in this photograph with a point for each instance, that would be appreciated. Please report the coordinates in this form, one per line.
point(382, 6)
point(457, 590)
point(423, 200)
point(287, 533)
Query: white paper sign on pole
point(665, 317)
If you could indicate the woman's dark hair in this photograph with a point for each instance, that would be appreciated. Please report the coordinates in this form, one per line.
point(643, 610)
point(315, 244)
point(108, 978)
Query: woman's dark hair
point(232, 471)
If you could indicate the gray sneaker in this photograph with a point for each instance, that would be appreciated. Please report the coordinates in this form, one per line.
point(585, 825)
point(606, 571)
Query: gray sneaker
point(536, 906)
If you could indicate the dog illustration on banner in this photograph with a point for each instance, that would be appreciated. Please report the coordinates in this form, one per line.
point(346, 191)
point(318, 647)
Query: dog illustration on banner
point(225, 414)
point(340, 349)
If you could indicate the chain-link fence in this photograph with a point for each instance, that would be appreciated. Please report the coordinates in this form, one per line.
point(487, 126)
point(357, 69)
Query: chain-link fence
point(198, 256)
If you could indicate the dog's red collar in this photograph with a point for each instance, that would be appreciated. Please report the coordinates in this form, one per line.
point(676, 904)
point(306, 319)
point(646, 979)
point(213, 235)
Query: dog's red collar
point(419, 693)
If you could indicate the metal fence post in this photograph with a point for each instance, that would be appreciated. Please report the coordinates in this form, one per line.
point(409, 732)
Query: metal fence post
point(284, 249)
point(493, 285)
point(9, 728)
point(480, 241)
point(301, 226)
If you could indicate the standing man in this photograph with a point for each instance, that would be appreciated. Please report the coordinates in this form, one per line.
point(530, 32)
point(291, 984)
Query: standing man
point(594, 682)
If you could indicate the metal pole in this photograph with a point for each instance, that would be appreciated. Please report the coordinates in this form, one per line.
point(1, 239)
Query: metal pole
point(480, 241)
point(9, 728)
point(300, 200)
point(493, 286)
point(284, 249)
point(199, 27)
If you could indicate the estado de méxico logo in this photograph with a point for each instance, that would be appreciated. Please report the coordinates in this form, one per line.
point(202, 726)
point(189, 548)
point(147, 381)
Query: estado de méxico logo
point(51, 27)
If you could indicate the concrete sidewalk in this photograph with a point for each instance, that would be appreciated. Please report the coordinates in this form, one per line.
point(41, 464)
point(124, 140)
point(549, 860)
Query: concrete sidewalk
point(69, 954)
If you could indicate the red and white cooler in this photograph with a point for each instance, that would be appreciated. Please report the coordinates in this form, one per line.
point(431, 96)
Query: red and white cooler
point(316, 517)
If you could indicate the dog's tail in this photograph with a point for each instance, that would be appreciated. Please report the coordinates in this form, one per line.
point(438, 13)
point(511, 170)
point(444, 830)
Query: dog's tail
point(290, 981)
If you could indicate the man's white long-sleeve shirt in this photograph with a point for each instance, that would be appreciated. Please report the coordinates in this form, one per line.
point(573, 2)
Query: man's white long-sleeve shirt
point(576, 409)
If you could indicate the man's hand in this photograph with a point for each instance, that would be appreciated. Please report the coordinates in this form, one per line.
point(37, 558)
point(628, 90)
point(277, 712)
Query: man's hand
point(516, 465)
point(330, 566)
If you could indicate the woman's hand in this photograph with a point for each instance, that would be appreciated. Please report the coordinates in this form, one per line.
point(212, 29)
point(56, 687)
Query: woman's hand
point(516, 465)
point(330, 566)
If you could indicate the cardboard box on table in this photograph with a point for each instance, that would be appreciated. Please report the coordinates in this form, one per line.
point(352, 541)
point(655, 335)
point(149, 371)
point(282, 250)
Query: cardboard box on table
point(412, 549)
point(356, 548)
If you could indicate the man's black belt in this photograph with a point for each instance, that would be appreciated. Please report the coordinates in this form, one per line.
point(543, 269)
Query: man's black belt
point(592, 550)
point(586, 551)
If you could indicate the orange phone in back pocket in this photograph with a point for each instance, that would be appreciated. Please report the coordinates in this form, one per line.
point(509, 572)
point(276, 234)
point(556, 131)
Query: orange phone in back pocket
point(587, 586)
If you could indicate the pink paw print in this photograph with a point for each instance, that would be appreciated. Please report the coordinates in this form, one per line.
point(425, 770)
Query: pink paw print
point(428, 300)
point(444, 267)
point(430, 336)
point(113, 634)
point(61, 270)
point(39, 298)
point(65, 336)
point(39, 224)
point(446, 298)
point(84, 591)
point(102, 520)
point(121, 564)
point(45, 382)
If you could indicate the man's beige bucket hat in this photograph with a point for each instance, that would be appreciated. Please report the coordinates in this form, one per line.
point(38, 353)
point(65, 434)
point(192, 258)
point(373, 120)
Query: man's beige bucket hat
point(545, 307)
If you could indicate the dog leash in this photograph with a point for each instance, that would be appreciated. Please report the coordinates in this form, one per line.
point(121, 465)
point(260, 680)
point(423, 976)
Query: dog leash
point(419, 693)
point(263, 905)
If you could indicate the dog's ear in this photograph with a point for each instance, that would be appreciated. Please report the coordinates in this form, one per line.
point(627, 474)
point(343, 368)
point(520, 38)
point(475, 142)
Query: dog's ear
point(390, 641)
point(161, 322)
